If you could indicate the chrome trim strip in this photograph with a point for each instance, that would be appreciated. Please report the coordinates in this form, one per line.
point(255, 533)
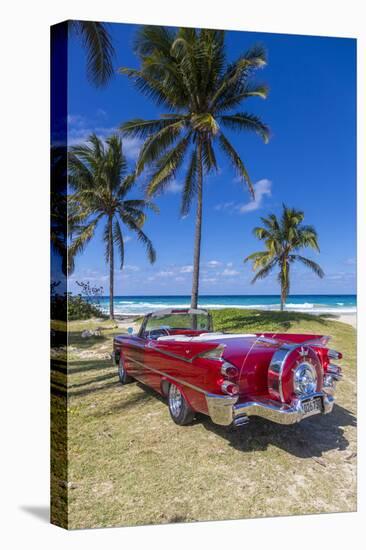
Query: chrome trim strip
point(333, 354)
point(182, 382)
point(335, 371)
point(278, 362)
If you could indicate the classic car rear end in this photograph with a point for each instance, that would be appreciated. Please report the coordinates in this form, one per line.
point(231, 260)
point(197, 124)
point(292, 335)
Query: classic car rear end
point(282, 377)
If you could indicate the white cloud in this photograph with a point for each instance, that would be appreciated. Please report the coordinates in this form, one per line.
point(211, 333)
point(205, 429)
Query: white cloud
point(101, 113)
point(131, 147)
point(225, 206)
point(165, 274)
point(179, 279)
point(76, 120)
point(131, 268)
point(229, 264)
point(80, 128)
point(209, 280)
point(262, 188)
point(214, 263)
point(174, 187)
point(186, 269)
point(229, 272)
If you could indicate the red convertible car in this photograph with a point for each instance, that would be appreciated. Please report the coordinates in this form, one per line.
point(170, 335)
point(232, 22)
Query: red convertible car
point(229, 377)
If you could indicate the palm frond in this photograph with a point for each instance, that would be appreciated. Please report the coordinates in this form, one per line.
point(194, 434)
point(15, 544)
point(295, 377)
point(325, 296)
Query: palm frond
point(246, 121)
point(190, 185)
point(154, 88)
point(168, 166)
point(118, 239)
point(151, 253)
point(264, 271)
point(308, 263)
point(208, 156)
point(157, 144)
point(240, 94)
point(99, 50)
point(259, 259)
point(144, 128)
point(150, 38)
point(108, 240)
point(84, 235)
point(236, 161)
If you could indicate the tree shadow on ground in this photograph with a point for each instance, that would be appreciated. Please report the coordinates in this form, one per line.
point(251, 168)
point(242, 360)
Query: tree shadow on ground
point(310, 438)
point(126, 403)
point(94, 380)
point(78, 367)
point(60, 390)
point(75, 339)
point(256, 321)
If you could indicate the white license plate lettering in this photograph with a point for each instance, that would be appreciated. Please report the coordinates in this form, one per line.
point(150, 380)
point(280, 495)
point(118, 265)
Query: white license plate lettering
point(313, 406)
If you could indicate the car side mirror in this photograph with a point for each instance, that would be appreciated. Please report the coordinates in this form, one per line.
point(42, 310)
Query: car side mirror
point(130, 330)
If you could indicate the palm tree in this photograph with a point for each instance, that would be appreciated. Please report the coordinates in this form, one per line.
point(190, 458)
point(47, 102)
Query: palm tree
point(99, 49)
point(59, 205)
point(97, 177)
point(283, 238)
point(186, 71)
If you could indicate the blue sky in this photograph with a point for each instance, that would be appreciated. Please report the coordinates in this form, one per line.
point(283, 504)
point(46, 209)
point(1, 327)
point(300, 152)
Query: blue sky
point(309, 163)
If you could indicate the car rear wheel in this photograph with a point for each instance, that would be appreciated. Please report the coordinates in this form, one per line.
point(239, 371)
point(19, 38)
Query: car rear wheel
point(180, 411)
point(124, 378)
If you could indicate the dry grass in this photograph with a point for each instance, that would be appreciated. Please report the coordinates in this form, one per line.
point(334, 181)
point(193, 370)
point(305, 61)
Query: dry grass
point(129, 464)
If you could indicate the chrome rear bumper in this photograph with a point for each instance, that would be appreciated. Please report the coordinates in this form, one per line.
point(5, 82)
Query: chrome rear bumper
point(225, 410)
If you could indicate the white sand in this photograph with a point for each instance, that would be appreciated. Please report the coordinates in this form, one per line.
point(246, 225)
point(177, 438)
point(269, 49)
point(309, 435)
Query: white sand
point(349, 318)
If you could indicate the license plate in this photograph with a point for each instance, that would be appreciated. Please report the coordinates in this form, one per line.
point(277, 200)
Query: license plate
point(313, 406)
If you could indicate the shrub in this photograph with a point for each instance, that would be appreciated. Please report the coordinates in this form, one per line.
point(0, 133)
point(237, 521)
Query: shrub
point(79, 308)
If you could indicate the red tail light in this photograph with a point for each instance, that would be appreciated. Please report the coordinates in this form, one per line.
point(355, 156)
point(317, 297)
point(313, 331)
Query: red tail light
point(229, 370)
point(230, 388)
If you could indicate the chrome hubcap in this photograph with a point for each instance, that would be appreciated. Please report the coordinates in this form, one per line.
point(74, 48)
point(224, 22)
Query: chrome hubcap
point(175, 401)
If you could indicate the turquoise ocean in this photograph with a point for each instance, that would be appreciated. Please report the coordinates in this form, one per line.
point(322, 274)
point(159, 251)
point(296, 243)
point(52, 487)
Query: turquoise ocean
point(309, 303)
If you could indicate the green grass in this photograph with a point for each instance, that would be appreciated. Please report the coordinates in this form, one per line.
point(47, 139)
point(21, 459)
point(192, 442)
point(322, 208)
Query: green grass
point(129, 464)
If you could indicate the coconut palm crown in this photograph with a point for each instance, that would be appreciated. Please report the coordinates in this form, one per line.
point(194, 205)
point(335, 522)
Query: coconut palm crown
point(185, 71)
point(283, 239)
point(99, 184)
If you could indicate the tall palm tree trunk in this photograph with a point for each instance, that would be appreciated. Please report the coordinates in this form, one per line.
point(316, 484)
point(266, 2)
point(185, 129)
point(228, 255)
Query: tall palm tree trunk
point(111, 269)
point(282, 300)
point(284, 283)
point(198, 233)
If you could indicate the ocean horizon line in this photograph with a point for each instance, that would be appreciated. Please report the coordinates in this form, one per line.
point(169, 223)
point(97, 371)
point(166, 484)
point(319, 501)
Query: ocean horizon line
point(309, 303)
point(225, 295)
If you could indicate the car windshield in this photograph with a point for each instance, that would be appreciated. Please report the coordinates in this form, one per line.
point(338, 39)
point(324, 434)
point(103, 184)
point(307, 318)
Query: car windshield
point(172, 321)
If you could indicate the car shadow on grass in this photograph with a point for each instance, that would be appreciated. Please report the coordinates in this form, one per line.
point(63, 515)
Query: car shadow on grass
point(310, 438)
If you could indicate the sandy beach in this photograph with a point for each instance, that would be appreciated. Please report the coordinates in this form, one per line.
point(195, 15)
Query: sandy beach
point(349, 318)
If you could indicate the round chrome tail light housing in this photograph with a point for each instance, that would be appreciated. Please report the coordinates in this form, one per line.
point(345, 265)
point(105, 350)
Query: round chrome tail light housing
point(305, 379)
point(295, 370)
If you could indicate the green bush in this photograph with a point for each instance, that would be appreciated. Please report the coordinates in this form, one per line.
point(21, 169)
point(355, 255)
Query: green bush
point(79, 308)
